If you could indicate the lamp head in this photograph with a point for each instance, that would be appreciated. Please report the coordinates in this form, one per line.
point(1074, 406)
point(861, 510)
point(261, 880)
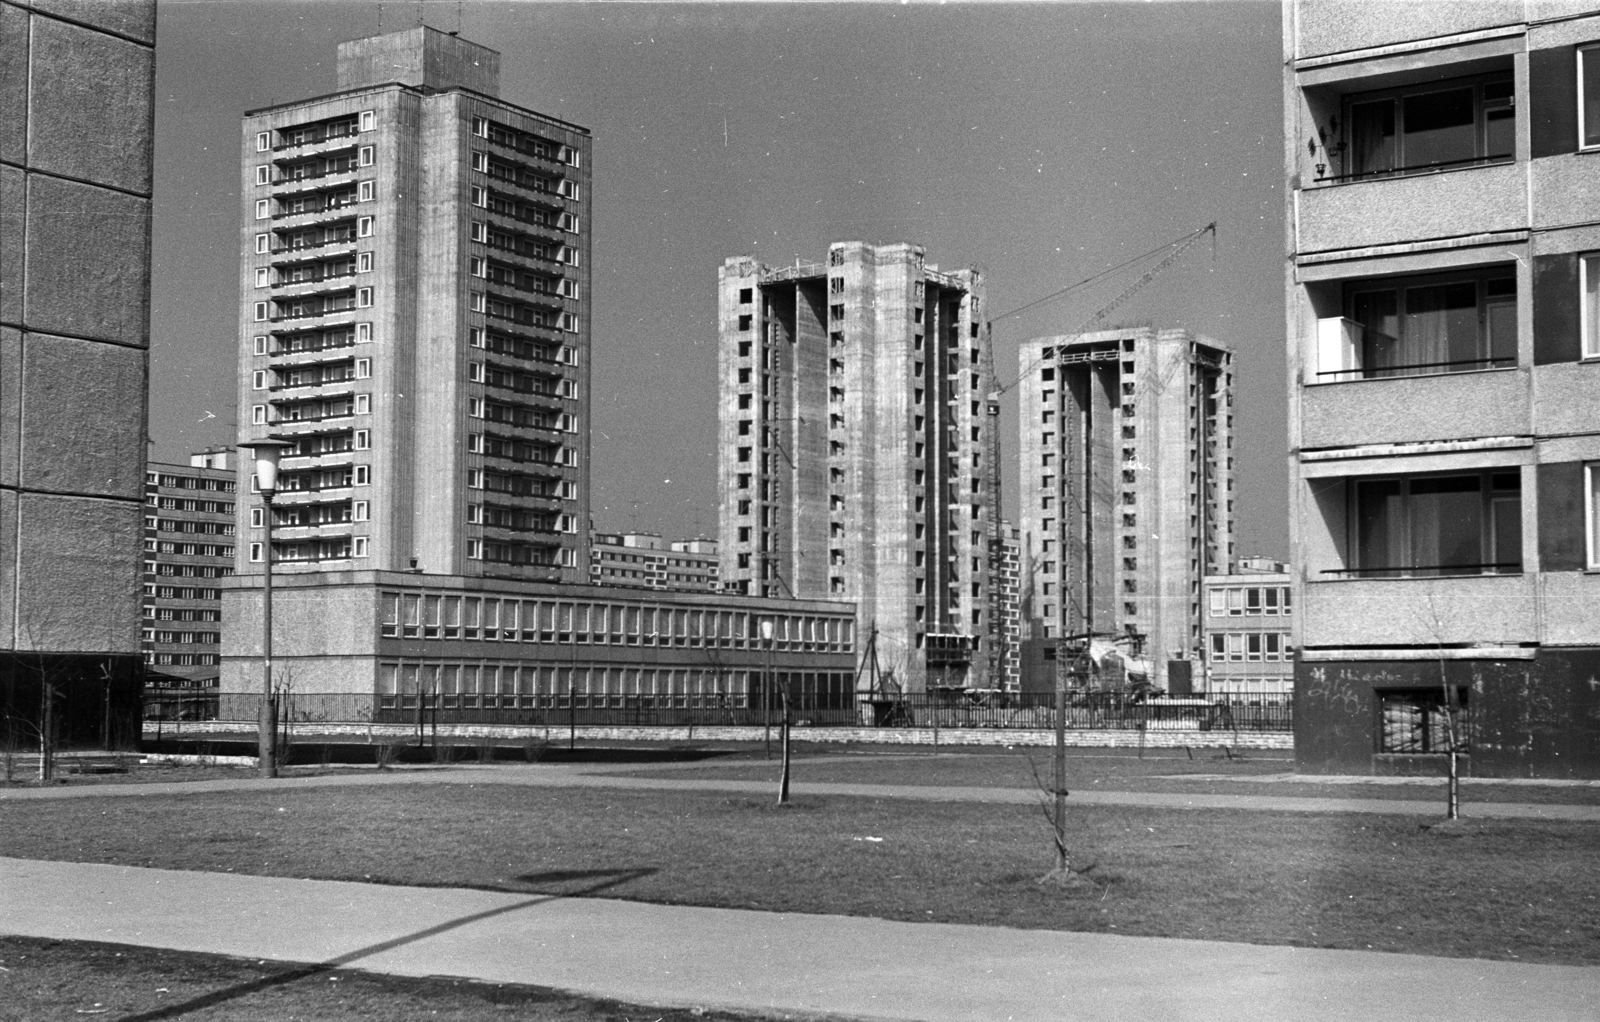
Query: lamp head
point(766, 629)
point(265, 453)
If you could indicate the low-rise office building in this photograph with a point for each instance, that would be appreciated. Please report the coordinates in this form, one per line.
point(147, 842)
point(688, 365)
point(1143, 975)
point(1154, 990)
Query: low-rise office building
point(378, 646)
point(1248, 619)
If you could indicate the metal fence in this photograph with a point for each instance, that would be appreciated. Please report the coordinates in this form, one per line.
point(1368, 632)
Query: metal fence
point(1234, 711)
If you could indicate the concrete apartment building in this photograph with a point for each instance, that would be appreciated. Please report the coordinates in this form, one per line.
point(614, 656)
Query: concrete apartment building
point(1248, 635)
point(1444, 414)
point(189, 529)
point(852, 452)
point(1127, 493)
point(76, 121)
point(644, 560)
point(1009, 582)
point(415, 320)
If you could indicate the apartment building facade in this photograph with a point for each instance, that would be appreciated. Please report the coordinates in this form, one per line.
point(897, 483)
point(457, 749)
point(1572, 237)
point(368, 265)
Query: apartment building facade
point(415, 320)
point(644, 560)
point(1249, 647)
point(1126, 454)
point(189, 530)
point(852, 454)
point(1444, 360)
point(76, 138)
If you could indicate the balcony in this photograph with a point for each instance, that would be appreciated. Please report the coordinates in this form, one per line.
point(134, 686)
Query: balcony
point(1470, 610)
point(1365, 213)
point(328, 283)
point(284, 187)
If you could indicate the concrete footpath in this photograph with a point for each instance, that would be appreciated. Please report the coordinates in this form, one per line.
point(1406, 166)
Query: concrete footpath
point(592, 776)
point(829, 965)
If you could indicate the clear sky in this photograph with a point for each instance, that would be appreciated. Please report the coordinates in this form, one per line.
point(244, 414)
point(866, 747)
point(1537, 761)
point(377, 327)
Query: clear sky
point(1042, 143)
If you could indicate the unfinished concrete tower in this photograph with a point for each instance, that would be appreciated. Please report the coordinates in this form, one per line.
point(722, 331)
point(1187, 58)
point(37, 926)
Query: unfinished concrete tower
point(1127, 488)
point(851, 458)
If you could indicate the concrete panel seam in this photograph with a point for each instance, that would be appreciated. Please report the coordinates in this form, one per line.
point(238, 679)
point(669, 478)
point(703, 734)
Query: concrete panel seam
point(98, 29)
point(36, 172)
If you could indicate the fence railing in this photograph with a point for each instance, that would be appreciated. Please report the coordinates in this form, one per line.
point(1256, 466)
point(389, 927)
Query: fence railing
point(1232, 711)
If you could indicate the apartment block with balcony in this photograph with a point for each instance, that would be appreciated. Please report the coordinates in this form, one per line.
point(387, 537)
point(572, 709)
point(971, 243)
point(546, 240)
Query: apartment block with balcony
point(1126, 467)
point(1444, 426)
point(415, 320)
point(852, 459)
point(643, 560)
point(189, 530)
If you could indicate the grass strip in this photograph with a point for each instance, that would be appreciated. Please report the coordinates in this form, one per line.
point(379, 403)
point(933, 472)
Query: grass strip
point(1516, 890)
point(51, 980)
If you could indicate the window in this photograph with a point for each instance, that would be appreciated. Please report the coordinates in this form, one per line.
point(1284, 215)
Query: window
point(263, 276)
point(475, 407)
point(363, 440)
point(363, 333)
point(369, 120)
point(261, 312)
point(364, 191)
point(475, 301)
point(359, 511)
point(1418, 721)
point(1425, 526)
point(1436, 126)
point(364, 156)
point(475, 478)
point(258, 380)
point(362, 475)
point(479, 196)
point(480, 231)
point(358, 546)
point(363, 368)
point(1420, 326)
point(1591, 492)
point(259, 344)
point(363, 297)
point(475, 551)
point(263, 209)
point(263, 141)
point(1589, 284)
point(258, 414)
point(264, 174)
point(258, 517)
point(255, 552)
point(480, 127)
point(364, 262)
point(1589, 98)
point(364, 227)
point(480, 162)
point(477, 267)
point(263, 244)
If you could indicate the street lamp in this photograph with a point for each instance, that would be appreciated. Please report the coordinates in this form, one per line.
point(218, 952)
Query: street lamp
point(766, 683)
point(266, 453)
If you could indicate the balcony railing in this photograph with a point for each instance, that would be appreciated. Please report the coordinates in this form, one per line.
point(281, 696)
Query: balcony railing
point(1417, 169)
point(1346, 348)
point(1427, 570)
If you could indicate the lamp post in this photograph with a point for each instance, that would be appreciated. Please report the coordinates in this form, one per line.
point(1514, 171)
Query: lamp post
point(766, 683)
point(266, 453)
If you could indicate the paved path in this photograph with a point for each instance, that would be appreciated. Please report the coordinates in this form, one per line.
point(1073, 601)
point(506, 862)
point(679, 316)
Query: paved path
point(833, 965)
point(591, 776)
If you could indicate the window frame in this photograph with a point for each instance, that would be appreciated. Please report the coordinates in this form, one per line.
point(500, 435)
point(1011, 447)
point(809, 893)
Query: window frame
point(1397, 95)
point(1591, 508)
point(1408, 543)
point(1594, 146)
point(1589, 308)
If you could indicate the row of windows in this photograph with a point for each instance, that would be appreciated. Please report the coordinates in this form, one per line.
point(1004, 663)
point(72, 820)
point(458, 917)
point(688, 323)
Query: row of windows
point(166, 569)
point(181, 592)
point(339, 548)
point(1239, 647)
point(210, 507)
point(521, 686)
point(424, 616)
point(322, 131)
point(155, 613)
point(188, 549)
point(312, 169)
point(182, 638)
point(182, 659)
point(173, 482)
point(310, 308)
point(1249, 600)
point(179, 525)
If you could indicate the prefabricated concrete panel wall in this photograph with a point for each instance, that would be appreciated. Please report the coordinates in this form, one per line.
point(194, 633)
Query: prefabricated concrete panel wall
point(76, 127)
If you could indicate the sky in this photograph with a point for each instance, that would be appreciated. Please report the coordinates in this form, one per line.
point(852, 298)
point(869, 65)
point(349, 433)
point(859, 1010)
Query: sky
point(1042, 143)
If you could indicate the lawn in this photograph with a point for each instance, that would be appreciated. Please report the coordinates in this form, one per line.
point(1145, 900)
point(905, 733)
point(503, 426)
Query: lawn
point(1208, 771)
point(47, 980)
point(1513, 890)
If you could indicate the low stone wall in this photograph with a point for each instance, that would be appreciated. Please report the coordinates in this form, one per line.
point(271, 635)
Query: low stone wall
point(363, 733)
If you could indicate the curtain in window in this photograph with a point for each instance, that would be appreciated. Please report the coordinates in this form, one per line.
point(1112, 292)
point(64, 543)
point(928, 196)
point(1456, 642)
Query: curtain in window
point(1372, 137)
point(1440, 326)
point(1377, 312)
point(1446, 524)
point(1380, 527)
point(1440, 127)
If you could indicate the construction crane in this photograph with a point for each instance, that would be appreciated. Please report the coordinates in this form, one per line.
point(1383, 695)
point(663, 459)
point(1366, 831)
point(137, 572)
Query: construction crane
point(995, 648)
